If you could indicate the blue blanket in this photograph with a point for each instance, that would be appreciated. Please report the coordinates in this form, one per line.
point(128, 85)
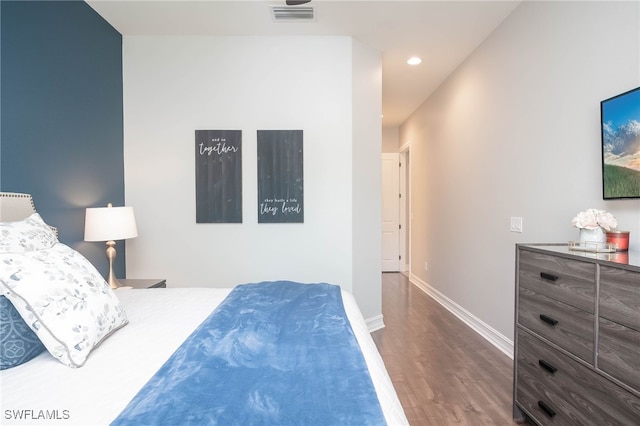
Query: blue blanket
point(273, 353)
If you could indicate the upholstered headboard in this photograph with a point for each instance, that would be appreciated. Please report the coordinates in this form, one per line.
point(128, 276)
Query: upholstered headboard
point(15, 206)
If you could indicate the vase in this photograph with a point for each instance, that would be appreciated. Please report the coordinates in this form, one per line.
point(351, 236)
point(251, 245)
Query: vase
point(593, 235)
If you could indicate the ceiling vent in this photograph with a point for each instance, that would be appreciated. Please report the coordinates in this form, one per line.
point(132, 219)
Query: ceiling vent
point(293, 13)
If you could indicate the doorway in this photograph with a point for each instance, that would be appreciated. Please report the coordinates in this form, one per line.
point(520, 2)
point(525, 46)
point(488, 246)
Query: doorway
point(396, 211)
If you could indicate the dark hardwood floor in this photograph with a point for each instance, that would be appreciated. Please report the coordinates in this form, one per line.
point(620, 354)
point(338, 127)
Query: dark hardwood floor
point(443, 371)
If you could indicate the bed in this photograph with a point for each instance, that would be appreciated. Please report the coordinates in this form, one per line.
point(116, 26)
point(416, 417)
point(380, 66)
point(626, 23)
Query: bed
point(148, 331)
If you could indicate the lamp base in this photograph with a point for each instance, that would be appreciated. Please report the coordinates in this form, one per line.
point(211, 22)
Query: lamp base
point(113, 281)
point(111, 255)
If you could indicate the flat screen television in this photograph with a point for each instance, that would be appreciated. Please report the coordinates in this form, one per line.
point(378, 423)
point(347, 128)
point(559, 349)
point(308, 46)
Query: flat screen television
point(620, 124)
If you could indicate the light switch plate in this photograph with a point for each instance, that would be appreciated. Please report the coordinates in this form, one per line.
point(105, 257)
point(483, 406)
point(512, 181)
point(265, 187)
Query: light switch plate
point(516, 224)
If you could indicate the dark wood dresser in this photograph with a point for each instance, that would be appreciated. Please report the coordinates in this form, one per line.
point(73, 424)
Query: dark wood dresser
point(577, 336)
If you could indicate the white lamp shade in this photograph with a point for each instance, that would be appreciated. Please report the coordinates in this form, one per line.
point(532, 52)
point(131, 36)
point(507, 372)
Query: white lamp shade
point(109, 223)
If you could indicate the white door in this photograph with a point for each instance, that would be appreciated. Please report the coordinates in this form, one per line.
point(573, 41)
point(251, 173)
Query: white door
point(405, 208)
point(390, 212)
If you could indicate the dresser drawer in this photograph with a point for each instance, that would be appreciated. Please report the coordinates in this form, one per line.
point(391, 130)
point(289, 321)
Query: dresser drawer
point(620, 296)
point(619, 352)
point(569, 281)
point(554, 389)
point(569, 327)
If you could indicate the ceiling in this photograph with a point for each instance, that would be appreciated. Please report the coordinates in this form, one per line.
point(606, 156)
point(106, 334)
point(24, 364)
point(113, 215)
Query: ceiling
point(442, 33)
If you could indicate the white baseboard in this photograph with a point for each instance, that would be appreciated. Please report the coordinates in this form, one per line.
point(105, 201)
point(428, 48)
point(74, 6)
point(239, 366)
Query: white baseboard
point(504, 344)
point(375, 323)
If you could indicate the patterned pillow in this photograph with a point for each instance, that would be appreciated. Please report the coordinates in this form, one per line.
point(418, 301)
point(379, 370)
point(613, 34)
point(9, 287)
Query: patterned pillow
point(63, 299)
point(29, 234)
point(18, 343)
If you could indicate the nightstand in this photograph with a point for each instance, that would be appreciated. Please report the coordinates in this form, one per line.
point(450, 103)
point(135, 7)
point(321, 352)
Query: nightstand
point(143, 283)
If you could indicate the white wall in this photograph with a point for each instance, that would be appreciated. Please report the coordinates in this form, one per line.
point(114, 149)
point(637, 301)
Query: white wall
point(176, 85)
point(367, 182)
point(515, 131)
point(390, 139)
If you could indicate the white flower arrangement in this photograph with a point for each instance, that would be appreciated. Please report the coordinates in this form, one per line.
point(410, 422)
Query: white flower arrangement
point(594, 219)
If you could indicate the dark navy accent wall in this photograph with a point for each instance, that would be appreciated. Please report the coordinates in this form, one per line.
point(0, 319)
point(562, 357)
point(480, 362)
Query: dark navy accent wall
point(62, 115)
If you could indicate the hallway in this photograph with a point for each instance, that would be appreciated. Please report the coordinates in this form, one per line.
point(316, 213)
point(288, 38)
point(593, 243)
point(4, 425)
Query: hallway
point(443, 371)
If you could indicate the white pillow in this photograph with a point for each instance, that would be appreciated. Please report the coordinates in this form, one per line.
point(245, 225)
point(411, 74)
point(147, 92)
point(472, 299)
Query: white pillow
point(63, 299)
point(29, 234)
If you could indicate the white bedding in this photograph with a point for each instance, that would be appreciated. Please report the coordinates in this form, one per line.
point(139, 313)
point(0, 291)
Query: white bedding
point(44, 391)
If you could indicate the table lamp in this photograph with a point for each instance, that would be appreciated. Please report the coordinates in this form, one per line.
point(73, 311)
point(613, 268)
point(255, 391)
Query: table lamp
point(110, 224)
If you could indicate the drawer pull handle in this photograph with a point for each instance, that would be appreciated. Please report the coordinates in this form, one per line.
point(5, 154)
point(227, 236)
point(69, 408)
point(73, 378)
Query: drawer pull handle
point(544, 364)
point(549, 277)
point(547, 410)
point(548, 320)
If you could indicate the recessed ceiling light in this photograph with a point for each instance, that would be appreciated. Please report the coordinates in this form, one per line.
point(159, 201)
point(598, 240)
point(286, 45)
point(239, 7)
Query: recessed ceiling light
point(414, 60)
